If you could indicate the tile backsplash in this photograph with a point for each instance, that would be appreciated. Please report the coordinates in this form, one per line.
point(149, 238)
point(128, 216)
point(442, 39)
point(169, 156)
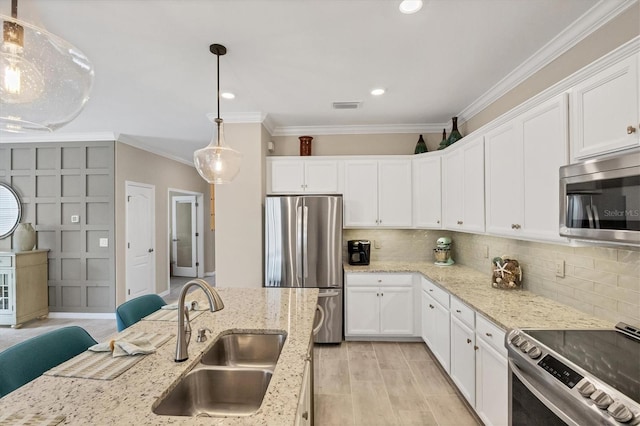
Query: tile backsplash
point(601, 281)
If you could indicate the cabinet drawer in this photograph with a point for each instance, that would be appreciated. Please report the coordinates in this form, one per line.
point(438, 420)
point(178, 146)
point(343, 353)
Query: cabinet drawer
point(463, 312)
point(379, 279)
point(491, 333)
point(436, 292)
point(6, 261)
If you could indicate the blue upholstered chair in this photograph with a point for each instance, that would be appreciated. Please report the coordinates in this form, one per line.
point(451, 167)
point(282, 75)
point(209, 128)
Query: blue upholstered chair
point(27, 360)
point(134, 310)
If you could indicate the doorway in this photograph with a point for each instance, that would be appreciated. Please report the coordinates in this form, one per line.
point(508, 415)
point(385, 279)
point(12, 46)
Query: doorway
point(140, 231)
point(186, 238)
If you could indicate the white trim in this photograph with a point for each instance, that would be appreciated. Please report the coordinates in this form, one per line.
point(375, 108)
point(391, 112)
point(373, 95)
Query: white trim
point(127, 140)
point(361, 129)
point(199, 228)
point(210, 274)
point(166, 292)
point(83, 315)
point(60, 137)
point(589, 22)
point(239, 117)
point(269, 124)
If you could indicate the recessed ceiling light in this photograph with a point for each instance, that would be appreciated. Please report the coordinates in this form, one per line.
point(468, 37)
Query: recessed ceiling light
point(228, 95)
point(410, 6)
point(377, 92)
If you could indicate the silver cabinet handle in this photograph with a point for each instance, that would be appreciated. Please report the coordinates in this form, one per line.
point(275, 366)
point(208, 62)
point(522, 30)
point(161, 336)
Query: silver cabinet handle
point(488, 334)
point(150, 250)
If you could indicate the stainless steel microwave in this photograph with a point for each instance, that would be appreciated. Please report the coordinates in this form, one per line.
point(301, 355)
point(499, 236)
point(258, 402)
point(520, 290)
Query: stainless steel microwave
point(600, 199)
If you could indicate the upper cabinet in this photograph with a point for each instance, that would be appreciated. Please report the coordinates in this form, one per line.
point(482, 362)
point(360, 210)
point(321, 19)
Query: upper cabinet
point(605, 113)
point(296, 175)
point(463, 187)
point(377, 192)
point(427, 206)
point(522, 161)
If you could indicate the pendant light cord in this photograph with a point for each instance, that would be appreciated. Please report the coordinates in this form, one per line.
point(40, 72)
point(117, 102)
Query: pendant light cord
point(14, 8)
point(218, 93)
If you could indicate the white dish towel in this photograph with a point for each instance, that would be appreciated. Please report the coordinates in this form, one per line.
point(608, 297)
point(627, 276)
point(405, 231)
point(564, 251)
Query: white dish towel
point(125, 347)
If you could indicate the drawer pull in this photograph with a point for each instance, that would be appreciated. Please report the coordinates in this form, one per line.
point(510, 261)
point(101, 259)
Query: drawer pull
point(630, 130)
point(468, 340)
point(458, 311)
point(431, 289)
point(489, 334)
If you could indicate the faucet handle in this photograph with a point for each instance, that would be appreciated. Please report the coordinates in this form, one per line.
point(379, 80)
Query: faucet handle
point(202, 334)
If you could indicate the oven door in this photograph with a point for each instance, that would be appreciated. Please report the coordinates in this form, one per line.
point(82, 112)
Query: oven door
point(534, 400)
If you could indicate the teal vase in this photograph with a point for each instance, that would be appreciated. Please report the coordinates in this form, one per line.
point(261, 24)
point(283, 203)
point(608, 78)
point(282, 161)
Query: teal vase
point(455, 135)
point(421, 146)
point(443, 142)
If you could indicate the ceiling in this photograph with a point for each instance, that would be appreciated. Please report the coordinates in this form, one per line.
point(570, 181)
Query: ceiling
point(289, 60)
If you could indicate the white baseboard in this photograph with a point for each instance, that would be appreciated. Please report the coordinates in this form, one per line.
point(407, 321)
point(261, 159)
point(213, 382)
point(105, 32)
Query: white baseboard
point(83, 315)
point(164, 293)
point(210, 274)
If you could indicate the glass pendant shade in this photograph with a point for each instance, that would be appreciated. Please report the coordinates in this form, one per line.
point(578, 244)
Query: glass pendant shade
point(217, 163)
point(44, 80)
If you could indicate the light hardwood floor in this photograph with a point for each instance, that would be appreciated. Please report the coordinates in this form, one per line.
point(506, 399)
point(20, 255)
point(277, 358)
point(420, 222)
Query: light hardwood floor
point(380, 383)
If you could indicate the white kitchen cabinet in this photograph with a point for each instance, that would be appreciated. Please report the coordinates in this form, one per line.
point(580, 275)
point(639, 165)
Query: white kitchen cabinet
point(522, 159)
point(427, 202)
point(379, 305)
point(435, 323)
point(463, 367)
point(305, 405)
point(492, 375)
point(605, 111)
point(463, 187)
point(377, 193)
point(294, 175)
point(23, 287)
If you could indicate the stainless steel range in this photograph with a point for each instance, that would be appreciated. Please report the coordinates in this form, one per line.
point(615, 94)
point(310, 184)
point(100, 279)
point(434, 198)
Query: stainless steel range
point(575, 377)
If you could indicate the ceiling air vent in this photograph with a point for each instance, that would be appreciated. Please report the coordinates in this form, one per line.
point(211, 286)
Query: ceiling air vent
point(347, 105)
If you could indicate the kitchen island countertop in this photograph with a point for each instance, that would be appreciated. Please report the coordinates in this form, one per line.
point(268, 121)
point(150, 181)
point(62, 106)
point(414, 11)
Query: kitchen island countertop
point(507, 308)
point(128, 399)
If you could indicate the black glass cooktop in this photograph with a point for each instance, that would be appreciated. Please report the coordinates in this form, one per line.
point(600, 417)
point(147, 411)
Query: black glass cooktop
point(608, 355)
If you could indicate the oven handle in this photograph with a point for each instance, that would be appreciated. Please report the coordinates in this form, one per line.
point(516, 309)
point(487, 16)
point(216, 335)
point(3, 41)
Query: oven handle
point(527, 380)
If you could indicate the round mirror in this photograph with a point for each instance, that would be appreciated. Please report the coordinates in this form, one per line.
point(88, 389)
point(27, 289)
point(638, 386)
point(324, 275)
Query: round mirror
point(10, 210)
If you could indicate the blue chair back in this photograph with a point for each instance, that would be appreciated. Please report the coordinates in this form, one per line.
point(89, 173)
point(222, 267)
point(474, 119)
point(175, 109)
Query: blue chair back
point(27, 360)
point(134, 310)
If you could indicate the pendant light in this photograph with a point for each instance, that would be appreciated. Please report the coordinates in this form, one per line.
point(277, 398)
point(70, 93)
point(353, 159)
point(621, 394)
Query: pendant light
point(217, 163)
point(44, 80)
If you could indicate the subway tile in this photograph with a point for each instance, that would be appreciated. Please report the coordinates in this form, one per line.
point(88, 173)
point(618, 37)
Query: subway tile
point(597, 252)
point(598, 300)
point(619, 293)
point(632, 283)
point(582, 261)
point(629, 256)
point(595, 275)
point(630, 310)
point(631, 269)
point(577, 283)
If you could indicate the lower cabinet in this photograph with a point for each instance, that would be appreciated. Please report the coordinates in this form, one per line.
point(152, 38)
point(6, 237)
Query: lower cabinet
point(304, 415)
point(463, 358)
point(492, 375)
point(436, 331)
point(384, 309)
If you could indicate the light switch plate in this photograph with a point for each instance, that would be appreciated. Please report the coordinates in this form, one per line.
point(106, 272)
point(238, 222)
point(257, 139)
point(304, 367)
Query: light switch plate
point(377, 244)
point(104, 242)
point(75, 218)
point(560, 268)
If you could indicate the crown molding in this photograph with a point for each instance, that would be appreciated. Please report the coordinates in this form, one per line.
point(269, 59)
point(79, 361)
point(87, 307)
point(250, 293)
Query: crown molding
point(131, 141)
point(59, 137)
point(601, 13)
point(357, 129)
point(240, 117)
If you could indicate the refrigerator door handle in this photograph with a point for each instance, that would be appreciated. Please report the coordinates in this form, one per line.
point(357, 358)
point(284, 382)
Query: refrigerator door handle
point(317, 328)
point(328, 294)
point(305, 239)
point(299, 242)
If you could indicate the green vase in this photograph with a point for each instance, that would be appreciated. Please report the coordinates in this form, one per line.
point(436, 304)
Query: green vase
point(443, 143)
point(455, 135)
point(421, 146)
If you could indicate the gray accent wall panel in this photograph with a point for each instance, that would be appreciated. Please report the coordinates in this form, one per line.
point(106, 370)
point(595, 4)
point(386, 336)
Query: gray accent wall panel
point(56, 181)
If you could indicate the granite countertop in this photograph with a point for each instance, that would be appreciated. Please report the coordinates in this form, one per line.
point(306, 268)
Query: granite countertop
point(128, 399)
point(507, 308)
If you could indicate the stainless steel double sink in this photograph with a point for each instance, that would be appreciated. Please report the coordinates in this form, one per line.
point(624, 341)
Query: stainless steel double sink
point(231, 378)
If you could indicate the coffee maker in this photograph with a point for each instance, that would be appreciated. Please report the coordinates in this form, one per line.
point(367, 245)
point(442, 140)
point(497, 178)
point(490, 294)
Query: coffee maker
point(442, 252)
point(359, 252)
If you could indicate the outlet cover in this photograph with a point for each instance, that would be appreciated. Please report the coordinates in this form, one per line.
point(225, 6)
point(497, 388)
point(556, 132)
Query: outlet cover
point(560, 268)
point(377, 244)
point(104, 242)
point(75, 218)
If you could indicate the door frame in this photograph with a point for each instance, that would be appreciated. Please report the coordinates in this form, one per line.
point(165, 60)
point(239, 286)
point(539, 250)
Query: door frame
point(200, 272)
point(127, 184)
point(191, 199)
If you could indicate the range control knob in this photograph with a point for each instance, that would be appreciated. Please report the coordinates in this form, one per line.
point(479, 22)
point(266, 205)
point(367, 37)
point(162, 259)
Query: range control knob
point(534, 352)
point(620, 412)
point(585, 388)
point(601, 398)
point(517, 340)
point(526, 346)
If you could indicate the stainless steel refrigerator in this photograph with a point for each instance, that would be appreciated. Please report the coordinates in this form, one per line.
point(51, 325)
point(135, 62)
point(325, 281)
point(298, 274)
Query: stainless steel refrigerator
point(303, 248)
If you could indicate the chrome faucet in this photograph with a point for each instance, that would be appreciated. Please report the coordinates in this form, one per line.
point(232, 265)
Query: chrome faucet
point(184, 329)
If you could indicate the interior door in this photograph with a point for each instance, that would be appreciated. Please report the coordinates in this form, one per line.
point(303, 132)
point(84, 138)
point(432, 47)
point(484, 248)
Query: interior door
point(184, 251)
point(140, 228)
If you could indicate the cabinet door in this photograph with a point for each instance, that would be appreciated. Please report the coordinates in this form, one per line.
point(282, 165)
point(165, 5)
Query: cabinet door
point(473, 187)
point(396, 310)
point(453, 181)
point(491, 385)
point(321, 176)
point(362, 311)
point(360, 193)
point(603, 107)
point(545, 149)
point(287, 176)
point(7, 297)
point(504, 179)
point(463, 363)
point(426, 193)
point(442, 337)
point(394, 193)
point(303, 416)
point(428, 320)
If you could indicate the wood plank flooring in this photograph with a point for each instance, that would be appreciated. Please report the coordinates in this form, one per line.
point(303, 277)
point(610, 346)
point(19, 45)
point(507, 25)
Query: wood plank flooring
point(380, 383)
